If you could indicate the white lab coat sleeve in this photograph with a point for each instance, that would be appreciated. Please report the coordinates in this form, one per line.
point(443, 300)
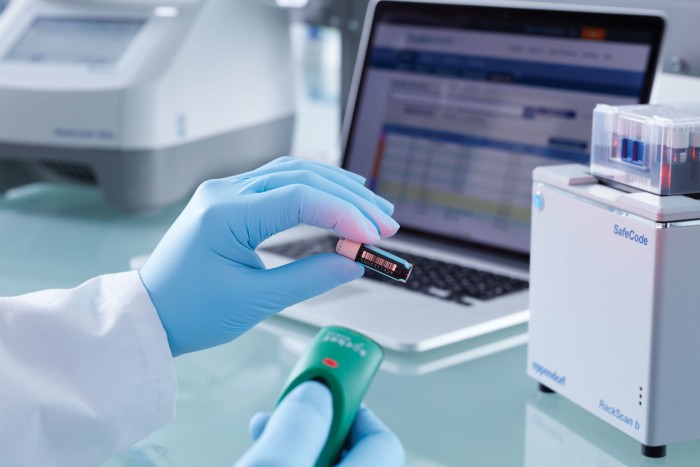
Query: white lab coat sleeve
point(84, 373)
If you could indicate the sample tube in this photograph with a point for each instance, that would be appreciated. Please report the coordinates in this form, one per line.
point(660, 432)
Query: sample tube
point(376, 259)
point(694, 155)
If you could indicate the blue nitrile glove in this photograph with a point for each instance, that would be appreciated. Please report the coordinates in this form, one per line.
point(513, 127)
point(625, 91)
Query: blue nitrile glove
point(296, 431)
point(204, 277)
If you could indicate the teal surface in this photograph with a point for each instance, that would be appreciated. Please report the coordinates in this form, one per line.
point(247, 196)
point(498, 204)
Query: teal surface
point(467, 405)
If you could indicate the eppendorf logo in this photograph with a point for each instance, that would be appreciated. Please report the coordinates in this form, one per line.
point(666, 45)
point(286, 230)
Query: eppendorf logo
point(547, 373)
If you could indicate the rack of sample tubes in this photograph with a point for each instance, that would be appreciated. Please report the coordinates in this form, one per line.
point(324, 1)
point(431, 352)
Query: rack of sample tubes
point(655, 148)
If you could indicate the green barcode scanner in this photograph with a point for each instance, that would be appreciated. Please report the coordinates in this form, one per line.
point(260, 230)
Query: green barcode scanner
point(345, 361)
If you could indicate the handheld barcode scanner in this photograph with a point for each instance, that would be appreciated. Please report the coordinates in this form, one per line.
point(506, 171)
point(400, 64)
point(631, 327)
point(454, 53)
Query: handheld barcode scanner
point(345, 362)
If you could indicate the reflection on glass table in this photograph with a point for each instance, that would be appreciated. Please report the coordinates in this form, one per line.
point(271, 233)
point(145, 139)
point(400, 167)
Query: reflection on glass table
point(557, 432)
point(467, 405)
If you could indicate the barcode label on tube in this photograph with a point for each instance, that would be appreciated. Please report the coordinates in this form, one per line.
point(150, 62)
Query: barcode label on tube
point(379, 261)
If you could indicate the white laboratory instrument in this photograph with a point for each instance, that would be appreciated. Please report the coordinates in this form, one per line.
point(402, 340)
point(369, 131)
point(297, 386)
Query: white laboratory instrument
point(614, 297)
point(614, 303)
point(145, 98)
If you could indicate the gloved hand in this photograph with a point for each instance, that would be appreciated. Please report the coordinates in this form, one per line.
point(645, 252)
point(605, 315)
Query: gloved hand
point(296, 431)
point(204, 277)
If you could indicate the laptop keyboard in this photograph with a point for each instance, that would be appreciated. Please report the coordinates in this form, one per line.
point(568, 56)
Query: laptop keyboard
point(444, 280)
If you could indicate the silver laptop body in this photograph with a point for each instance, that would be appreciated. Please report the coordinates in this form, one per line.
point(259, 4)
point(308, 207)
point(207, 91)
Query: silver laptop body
point(452, 107)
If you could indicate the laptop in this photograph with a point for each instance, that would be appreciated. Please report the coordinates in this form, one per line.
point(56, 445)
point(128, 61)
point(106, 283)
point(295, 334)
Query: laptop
point(452, 107)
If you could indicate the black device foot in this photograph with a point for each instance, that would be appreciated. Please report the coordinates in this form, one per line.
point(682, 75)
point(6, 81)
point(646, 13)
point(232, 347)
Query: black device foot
point(654, 451)
point(544, 388)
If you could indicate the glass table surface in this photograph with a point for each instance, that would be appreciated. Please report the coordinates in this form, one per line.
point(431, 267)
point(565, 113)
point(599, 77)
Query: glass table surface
point(469, 404)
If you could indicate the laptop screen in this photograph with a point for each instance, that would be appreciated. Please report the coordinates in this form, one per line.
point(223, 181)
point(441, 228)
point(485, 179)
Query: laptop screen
point(457, 105)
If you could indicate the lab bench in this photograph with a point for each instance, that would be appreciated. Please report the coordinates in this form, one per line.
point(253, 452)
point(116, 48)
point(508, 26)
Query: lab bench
point(469, 404)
